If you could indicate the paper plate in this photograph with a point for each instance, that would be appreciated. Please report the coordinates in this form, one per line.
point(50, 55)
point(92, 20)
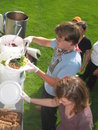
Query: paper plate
point(10, 92)
point(23, 68)
point(14, 69)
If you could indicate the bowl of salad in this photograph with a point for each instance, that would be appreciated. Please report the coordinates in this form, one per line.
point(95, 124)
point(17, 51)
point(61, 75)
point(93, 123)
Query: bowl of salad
point(17, 63)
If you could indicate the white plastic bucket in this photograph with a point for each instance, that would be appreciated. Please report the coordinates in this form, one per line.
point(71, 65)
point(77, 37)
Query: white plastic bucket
point(7, 74)
point(6, 46)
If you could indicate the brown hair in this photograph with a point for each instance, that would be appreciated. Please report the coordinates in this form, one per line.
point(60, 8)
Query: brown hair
point(68, 30)
point(83, 24)
point(74, 89)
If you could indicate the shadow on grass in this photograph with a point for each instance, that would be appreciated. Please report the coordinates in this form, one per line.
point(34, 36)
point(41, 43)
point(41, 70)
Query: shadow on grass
point(32, 120)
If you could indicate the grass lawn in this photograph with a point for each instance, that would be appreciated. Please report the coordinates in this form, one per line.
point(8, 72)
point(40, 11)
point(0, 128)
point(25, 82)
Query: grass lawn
point(44, 15)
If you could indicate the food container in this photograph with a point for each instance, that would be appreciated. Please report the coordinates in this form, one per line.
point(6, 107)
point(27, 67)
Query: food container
point(12, 45)
point(17, 64)
point(13, 21)
point(10, 120)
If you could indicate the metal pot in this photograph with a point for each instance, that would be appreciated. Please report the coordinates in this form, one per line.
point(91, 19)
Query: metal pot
point(13, 22)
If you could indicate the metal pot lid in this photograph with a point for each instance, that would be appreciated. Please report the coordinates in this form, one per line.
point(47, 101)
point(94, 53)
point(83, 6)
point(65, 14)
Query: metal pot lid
point(10, 92)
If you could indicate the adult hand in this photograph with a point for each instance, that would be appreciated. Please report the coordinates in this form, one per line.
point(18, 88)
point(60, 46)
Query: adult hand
point(28, 40)
point(25, 97)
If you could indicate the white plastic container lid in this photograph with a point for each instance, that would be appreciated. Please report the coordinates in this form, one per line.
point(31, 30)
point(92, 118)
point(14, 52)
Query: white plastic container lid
point(10, 92)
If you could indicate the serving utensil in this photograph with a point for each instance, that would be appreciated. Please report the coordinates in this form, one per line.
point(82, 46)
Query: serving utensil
point(13, 40)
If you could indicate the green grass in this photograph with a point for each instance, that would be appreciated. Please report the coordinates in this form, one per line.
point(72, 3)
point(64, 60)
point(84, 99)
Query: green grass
point(44, 15)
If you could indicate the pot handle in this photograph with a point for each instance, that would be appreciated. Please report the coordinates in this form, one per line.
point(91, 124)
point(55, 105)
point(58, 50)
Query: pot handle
point(19, 30)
